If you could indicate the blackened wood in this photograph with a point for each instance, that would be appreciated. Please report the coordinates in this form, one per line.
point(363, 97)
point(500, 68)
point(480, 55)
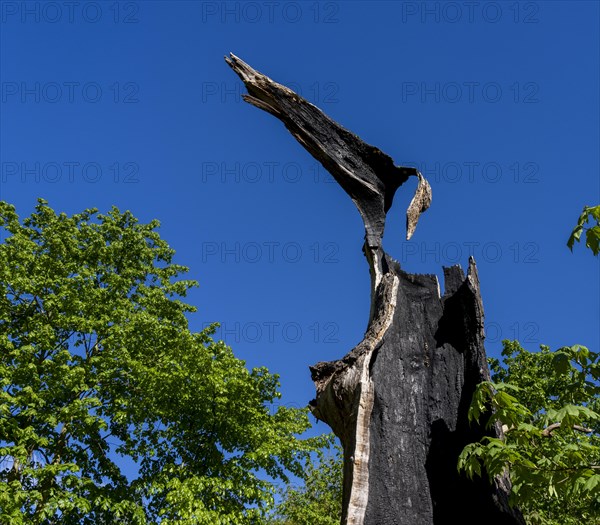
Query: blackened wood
point(399, 400)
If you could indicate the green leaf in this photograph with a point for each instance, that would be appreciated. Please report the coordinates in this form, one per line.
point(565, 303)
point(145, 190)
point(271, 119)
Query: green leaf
point(592, 239)
point(561, 362)
point(575, 236)
point(592, 482)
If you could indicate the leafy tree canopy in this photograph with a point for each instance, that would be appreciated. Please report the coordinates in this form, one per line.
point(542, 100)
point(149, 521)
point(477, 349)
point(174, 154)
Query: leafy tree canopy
point(319, 500)
point(549, 407)
point(99, 369)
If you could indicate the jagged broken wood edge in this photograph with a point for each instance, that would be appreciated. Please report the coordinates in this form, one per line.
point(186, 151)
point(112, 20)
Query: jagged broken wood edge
point(367, 174)
point(345, 387)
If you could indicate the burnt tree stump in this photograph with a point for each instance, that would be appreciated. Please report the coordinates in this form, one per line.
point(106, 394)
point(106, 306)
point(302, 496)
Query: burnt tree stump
point(399, 400)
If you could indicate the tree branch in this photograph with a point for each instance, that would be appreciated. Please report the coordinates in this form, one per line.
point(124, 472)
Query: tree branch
point(547, 432)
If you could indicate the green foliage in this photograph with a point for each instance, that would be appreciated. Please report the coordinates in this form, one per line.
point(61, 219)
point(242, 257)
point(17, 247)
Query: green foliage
point(548, 405)
point(592, 234)
point(319, 500)
point(98, 369)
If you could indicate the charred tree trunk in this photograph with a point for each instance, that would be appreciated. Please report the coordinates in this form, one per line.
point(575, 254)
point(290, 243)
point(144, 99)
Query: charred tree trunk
point(399, 403)
point(399, 400)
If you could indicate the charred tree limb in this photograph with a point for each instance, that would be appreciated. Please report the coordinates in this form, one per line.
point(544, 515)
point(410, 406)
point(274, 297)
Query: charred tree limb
point(367, 174)
point(399, 400)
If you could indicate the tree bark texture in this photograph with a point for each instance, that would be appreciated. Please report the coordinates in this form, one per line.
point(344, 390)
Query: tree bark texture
point(399, 400)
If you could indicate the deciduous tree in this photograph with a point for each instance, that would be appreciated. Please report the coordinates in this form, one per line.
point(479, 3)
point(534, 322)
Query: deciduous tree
point(111, 409)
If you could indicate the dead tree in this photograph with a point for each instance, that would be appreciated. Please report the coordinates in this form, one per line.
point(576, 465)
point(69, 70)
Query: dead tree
point(399, 400)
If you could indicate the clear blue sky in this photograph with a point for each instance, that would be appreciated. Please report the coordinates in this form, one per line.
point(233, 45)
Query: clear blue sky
point(132, 104)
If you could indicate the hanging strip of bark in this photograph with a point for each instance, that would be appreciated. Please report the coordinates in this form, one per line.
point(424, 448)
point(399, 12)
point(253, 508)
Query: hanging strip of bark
point(399, 400)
